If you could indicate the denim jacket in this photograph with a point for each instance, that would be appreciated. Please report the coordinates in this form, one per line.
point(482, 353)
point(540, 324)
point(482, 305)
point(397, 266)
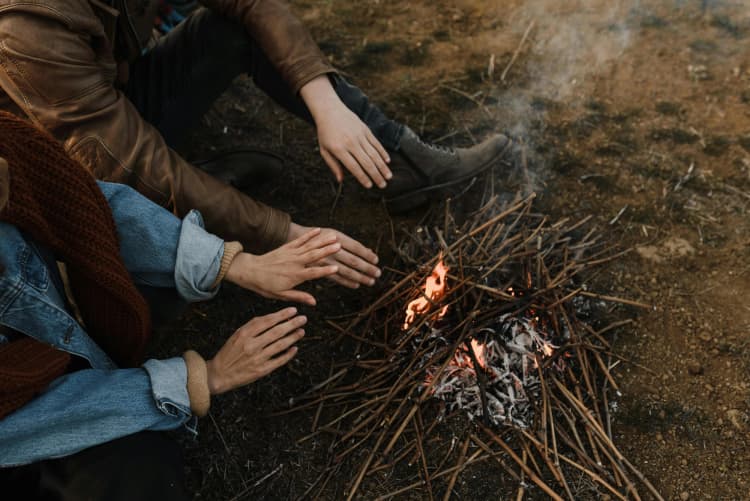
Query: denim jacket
point(95, 405)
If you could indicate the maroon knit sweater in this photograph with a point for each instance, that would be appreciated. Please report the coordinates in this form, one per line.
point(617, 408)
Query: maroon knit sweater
point(57, 203)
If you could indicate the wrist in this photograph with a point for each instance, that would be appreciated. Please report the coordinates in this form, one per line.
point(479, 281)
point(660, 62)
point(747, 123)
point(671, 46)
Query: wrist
point(214, 382)
point(320, 97)
point(231, 263)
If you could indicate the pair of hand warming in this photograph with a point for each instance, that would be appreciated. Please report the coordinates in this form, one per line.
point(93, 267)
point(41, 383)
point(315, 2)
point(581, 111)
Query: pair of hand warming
point(266, 343)
point(310, 254)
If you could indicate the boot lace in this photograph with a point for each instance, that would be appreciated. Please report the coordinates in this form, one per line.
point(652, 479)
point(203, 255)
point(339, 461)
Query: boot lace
point(437, 147)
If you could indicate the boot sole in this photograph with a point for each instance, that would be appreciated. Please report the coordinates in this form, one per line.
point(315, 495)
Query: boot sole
point(420, 196)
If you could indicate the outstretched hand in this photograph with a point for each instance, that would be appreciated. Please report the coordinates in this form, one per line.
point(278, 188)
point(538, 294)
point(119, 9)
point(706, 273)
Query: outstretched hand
point(255, 350)
point(276, 274)
point(355, 263)
point(345, 141)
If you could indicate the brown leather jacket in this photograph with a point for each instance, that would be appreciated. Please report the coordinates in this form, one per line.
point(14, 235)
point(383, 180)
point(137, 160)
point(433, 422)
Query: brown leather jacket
point(58, 67)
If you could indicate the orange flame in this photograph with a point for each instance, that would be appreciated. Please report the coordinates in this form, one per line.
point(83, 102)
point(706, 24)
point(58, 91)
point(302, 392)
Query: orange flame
point(434, 289)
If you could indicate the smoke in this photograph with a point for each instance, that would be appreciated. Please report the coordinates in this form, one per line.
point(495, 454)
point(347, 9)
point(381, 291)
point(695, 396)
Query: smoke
point(569, 43)
point(572, 42)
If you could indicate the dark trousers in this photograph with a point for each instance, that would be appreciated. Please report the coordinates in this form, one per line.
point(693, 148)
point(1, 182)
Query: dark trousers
point(174, 84)
point(147, 466)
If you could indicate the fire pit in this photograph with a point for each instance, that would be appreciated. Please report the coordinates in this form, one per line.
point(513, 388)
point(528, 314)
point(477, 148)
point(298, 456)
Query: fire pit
point(495, 375)
point(491, 324)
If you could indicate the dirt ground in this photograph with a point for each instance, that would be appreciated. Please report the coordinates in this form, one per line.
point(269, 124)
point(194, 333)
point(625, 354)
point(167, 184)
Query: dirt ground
point(637, 113)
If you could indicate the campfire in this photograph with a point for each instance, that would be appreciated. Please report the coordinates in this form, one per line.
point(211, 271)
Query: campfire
point(488, 339)
point(495, 374)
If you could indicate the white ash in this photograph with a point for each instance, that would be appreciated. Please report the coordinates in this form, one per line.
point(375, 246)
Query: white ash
point(511, 351)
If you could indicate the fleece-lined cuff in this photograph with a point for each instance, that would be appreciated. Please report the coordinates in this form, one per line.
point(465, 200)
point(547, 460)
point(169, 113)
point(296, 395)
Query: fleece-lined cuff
point(231, 249)
point(197, 383)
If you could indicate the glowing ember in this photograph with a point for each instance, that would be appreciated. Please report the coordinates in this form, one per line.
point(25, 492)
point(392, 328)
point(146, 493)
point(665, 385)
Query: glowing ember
point(434, 289)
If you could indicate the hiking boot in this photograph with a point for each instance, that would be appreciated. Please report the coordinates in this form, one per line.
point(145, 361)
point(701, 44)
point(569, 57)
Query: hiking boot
point(422, 169)
point(243, 169)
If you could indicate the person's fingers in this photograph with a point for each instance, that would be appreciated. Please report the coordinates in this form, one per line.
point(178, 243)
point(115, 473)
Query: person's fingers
point(323, 239)
point(333, 164)
point(282, 344)
point(341, 280)
point(258, 325)
point(354, 168)
point(305, 238)
point(281, 330)
point(356, 248)
point(380, 164)
point(316, 255)
point(357, 263)
point(356, 269)
point(280, 360)
point(368, 165)
point(380, 148)
point(316, 272)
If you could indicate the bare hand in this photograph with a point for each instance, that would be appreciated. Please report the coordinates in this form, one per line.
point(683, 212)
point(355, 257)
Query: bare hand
point(355, 262)
point(255, 350)
point(276, 274)
point(345, 141)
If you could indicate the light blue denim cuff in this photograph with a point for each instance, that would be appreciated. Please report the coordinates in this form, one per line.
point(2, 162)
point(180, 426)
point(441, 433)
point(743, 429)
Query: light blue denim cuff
point(169, 385)
point(198, 262)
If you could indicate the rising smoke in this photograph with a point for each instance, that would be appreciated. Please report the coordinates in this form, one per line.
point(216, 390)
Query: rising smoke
point(571, 43)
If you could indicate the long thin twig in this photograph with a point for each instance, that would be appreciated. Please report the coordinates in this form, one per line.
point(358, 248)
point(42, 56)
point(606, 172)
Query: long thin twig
point(517, 51)
point(459, 467)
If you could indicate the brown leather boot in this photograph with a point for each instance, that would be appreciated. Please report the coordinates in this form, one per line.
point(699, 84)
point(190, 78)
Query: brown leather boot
point(421, 169)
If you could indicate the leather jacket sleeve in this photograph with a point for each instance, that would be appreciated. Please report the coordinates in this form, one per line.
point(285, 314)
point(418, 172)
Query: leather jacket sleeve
point(63, 80)
point(281, 35)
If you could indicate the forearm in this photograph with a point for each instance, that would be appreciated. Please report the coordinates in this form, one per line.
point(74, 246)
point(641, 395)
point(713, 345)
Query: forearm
point(160, 250)
point(90, 407)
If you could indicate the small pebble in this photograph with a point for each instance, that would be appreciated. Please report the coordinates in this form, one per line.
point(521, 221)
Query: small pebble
point(684, 496)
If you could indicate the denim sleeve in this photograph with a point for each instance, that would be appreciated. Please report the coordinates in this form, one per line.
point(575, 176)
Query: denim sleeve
point(198, 260)
point(91, 407)
point(159, 249)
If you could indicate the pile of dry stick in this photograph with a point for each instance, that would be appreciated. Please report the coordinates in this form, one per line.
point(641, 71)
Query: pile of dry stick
point(515, 287)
